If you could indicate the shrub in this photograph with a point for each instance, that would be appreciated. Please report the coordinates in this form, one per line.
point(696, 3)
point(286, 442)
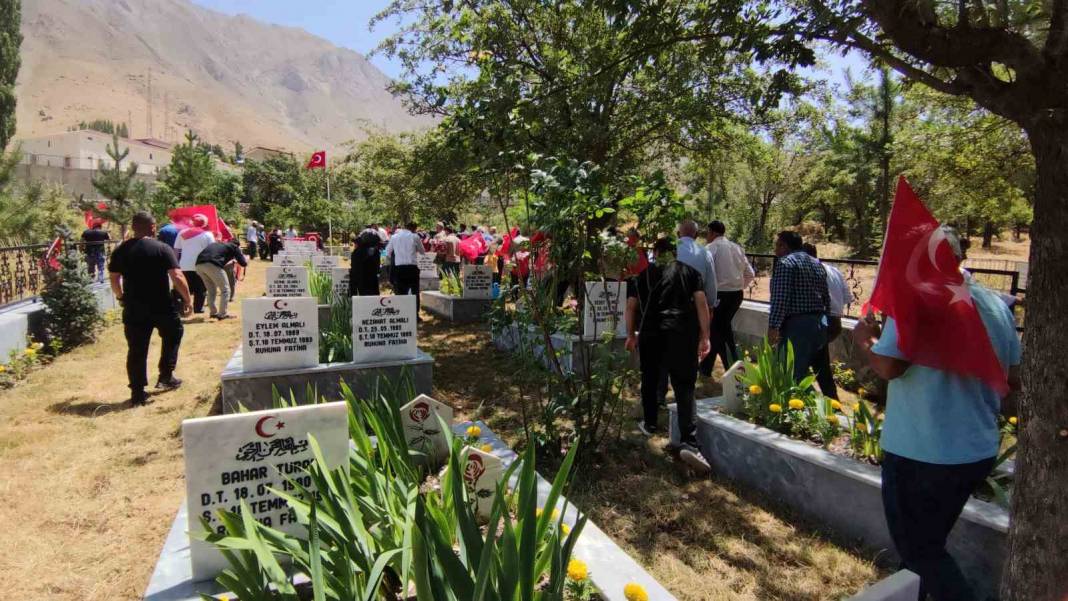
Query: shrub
point(73, 315)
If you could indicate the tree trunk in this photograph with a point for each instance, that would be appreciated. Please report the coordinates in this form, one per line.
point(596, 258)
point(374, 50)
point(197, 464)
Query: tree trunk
point(988, 234)
point(1037, 566)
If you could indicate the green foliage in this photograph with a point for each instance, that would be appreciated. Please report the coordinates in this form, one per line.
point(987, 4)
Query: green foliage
point(31, 212)
point(118, 185)
point(452, 284)
point(190, 178)
point(865, 430)
point(20, 362)
point(335, 337)
point(104, 126)
point(373, 535)
point(73, 315)
point(10, 40)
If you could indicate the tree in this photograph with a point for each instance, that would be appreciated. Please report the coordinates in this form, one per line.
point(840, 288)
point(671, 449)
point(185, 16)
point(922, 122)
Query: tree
point(190, 177)
point(75, 318)
point(118, 185)
point(10, 40)
point(1011, 58)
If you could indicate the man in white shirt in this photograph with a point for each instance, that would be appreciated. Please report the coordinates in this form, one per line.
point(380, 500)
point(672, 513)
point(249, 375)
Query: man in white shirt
point(404, 249)
point(251, 237)
point(190, 242)
point(840, 295)
point(291, 233)
point(733, 273)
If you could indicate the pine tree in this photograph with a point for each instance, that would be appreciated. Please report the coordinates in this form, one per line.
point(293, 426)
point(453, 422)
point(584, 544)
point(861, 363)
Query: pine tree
point(10, 40)
point(74, 316)
point(191, 174)
point(117, 184)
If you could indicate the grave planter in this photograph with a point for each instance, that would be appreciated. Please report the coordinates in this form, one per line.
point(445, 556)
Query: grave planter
point(429, 283)
point(837, 494)
point(455, 308)
point(572, 350)
point(254, 390)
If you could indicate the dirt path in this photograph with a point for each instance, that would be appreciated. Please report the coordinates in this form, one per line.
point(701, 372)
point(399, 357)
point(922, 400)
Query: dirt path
point(90, 485)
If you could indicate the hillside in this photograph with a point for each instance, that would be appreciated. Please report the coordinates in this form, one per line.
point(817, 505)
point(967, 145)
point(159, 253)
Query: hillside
point(227, 78)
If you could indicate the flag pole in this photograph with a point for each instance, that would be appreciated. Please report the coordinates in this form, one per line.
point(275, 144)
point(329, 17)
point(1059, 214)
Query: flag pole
point(329, 219)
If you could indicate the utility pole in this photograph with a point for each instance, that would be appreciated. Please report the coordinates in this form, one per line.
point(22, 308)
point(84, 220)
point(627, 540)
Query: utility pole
point(148, 102)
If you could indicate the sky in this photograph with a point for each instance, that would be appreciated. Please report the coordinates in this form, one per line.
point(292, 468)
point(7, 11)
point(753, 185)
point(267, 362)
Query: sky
point(345, 23)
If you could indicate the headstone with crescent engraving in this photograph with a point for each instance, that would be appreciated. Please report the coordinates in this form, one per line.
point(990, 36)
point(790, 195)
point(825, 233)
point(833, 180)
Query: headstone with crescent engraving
point(235, 459)
point(482, 472)
point(291, 259)
point(383, 328)
point(605, 309)
point(324, 263)
point(423, 429)
point(478, 281)
point(279, 333)
point(287, 281)
point(340, 278)
point(301, 246)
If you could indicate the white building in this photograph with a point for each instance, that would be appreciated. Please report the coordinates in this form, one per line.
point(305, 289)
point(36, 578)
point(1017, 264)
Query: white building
point(87, 150)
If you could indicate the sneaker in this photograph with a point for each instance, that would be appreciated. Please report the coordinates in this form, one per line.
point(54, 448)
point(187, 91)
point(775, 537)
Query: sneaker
point(646, 430)
point(168, 383)
point(692, 457)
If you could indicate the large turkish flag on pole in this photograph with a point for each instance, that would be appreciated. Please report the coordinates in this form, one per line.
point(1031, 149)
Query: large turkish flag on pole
point(921, 286)
point(317, 161)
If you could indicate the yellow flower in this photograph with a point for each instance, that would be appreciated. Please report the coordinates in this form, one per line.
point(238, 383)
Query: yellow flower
point(474, 431)
point(861, 392)
point(31, 352)
point(797, 404)
point(635, 592)
point(577, 571)
point(486, 448)
point(1013, 420)
point(856, 406)
point(538, 512)
point(565, 529)
point(755, 390)
point(3, 368)
point(880, 417)
point(836, 405)
point(37, 345)
point(832, 419)
point(224, 598)
point(775, 408)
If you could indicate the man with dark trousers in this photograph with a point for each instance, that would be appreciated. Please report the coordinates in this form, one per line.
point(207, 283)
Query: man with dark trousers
point(141, 270)
point(403, 249)
point(667, 322)
point(733, 274)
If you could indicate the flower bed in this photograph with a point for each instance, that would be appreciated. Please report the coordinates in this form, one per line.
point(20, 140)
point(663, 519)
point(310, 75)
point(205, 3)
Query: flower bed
point(408, 533)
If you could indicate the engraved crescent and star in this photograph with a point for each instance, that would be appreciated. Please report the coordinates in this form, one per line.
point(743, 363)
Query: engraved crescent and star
point(262, 424)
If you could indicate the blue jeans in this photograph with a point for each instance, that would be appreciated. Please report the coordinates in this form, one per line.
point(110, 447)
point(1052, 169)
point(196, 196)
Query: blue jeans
point(922, 501)
point(808, 334)
point(94, 262)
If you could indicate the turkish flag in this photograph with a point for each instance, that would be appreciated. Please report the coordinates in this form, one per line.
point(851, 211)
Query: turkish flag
point(506, 242)
point(921, 286)
point(642, 262)
point(317, 161)
point(472, 246)
point(183, 218)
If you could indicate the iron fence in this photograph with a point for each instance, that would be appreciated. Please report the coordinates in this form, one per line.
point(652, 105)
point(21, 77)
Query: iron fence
point(22, 272)
point(859, 276)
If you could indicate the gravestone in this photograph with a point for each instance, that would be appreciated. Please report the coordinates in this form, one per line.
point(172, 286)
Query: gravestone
point(423, 430)
point(324, 263)
point(340, 278)
point(383, 328)
point(482, 472)
point(605, 309)
point(238, 457)
point(428, 269)
point(301, 246)
point(478, 282)
point(279, 333)
point(290, 259)
point(287, 281)
point(732, 388)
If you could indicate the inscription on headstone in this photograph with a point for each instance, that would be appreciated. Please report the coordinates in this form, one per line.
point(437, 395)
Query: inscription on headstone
point(301, 246)
point(383, 328)
point(291, 259)
point(478, 281)
point(732, 388)
point(340, 278)
point(324, 263)
point(428, 269)
point(279, 333)
point(482, 472)
point(605, 309)
point(238, 457)
point(287, 281)
point(423, 430)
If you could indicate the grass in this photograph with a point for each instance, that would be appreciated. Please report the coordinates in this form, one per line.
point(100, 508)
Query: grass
point(91, 486)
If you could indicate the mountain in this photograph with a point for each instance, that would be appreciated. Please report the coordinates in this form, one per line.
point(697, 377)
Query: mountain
point(227, 78)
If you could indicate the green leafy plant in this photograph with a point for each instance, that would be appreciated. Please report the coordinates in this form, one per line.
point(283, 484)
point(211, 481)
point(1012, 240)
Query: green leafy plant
point(865, 430)
point(452, 284)
point(320, 285)
point(23, 361)
point(335, 336)
point(74, 318)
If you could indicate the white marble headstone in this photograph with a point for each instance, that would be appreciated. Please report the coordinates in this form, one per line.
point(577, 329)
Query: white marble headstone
point(423, 430)
point(287, 281)
point(605, 309)
point(478, 281)
point(238, 457)
point(340, 278)
point(428, 269)
point(482, 472)
point(279, 333)
point(383, 328)
point(290, 259)
point(732, 388)
point(324, 263)
point(301, 246)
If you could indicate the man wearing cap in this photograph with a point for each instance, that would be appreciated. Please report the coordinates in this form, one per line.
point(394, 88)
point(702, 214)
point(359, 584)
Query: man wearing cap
point(190, 243)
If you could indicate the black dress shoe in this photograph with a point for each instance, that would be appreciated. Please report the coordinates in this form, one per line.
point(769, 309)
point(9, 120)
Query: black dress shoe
point(168, 383)
point(139, 399)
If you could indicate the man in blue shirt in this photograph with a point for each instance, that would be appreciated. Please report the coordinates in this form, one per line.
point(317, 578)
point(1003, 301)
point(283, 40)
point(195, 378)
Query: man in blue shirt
point(800, 302)
point(939, 440)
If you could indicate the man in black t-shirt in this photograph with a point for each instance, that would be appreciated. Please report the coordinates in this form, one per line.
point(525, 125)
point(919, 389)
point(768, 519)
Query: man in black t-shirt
point(94, 239)
point(667, 321)
point(142, 269)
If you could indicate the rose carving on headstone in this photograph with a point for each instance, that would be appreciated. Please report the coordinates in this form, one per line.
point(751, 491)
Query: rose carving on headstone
point(419, 412)
point(422, 419)
point(473, 471)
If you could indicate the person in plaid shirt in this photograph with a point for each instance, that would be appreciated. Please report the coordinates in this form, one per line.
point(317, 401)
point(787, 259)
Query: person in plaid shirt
point(799, 302)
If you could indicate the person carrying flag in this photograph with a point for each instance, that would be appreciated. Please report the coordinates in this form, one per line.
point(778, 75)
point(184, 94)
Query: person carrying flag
point(950, 352)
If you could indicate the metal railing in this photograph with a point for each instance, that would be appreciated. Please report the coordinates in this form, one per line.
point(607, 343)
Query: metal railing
point(859, 276)
point(22, 272)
